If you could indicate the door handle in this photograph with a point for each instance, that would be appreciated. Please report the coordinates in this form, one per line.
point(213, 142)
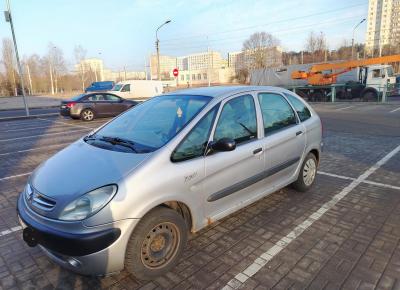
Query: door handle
point(299, 133)
point(258, 150)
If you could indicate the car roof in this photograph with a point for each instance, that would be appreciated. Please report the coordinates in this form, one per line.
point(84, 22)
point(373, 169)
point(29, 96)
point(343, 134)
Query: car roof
point(222, 91)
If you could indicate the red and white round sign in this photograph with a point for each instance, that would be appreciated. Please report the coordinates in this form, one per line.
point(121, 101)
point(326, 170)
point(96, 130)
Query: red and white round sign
point(175, 72)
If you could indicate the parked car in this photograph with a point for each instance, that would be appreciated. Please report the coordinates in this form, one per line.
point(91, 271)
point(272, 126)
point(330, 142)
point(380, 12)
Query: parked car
point(136, 89)
point(100, 86)
point(128, 194)
point(87, 107)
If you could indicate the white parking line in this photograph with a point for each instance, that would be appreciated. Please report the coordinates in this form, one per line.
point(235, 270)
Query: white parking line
point(345, 108)
point(267, 256)
point(35, 149)
point(9, 231)
point(365, 181)
point(395, 110)
point(72, 125)
point(39, 135)
point(15, 176)
point(31, 128)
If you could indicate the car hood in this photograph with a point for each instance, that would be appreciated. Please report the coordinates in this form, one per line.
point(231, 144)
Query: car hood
point(80, 168)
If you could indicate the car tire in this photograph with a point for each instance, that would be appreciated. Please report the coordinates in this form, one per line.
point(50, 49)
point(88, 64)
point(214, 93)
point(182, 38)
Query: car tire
point(156, 244)
point(307, 173)
point(87, 115)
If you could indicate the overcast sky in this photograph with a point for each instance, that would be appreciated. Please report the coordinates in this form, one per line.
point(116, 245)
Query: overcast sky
point(122, 32)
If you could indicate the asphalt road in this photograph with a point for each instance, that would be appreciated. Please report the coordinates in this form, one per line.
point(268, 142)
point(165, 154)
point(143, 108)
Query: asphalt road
point(342, 234)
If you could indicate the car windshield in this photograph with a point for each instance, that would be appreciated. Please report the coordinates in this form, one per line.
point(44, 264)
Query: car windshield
point(390, 71)
point(117, 87)
point(155, 122)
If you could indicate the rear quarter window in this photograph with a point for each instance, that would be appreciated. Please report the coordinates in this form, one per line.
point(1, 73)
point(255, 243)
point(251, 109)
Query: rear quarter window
point(302, 111)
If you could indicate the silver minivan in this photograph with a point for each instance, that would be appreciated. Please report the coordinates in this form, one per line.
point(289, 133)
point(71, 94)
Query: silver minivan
point(128, 194)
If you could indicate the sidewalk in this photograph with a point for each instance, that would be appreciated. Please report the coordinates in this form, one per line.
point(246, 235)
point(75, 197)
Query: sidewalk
point(14, 103)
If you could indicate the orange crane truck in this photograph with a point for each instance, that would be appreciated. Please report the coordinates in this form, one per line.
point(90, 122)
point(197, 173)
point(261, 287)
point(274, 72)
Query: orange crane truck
point(374, 75)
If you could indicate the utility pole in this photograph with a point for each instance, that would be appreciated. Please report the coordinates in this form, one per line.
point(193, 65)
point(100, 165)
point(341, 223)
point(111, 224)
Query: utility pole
point(208, 63)
point(51, 77)
point(352, 39)
point(302, 57)
point(29, 77)
point(8, 17)
point(158, 49)
point(145, 68)
point(124, 73)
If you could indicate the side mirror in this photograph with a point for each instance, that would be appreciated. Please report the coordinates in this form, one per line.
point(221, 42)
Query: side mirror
point(224, 144)
point(383, 76)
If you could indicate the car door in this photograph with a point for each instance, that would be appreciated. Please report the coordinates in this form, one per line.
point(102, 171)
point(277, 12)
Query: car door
point(125, 92)
point(284, 138)
point(116, 103)
point(100, 105)
point(233, 177)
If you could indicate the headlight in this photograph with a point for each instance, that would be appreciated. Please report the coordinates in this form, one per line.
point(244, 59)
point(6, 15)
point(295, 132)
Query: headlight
point(28, 191)
point(88, 204)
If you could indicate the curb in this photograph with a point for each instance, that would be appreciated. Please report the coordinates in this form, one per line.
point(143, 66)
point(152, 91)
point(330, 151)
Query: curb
point(27, 117)
point(23, 109)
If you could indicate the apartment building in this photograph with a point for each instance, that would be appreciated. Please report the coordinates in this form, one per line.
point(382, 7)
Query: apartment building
point(383, 25)
point(196, 61)
point(266, 57)
point(93, 66)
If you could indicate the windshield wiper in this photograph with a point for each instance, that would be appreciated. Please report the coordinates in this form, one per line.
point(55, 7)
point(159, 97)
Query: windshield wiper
point(119, 141)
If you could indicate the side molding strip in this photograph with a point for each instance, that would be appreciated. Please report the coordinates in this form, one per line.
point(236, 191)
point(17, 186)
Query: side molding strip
point(251, 180)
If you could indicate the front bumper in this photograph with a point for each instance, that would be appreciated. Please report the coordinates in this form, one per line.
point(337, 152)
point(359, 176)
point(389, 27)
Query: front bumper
point(90, 251)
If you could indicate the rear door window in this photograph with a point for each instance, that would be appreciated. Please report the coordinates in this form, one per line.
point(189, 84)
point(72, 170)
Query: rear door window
point(302, 111)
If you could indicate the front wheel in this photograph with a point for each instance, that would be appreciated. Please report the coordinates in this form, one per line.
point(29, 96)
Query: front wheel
point(156, 244)
point(307, 173)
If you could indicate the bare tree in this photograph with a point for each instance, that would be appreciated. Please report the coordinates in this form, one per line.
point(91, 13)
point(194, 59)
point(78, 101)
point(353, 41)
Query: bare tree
point(56, 66)
point(317, 46)
point(80, 55)
point(260, 51)
point(9, 66)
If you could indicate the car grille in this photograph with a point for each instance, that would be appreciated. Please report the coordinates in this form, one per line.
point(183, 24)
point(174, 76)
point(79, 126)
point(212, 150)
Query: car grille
point(38, 200)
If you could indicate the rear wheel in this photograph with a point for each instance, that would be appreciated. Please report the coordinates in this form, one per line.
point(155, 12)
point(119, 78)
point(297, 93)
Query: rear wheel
point(370, 96)
point(307, 173)
point(156, 244)
point(87, 115)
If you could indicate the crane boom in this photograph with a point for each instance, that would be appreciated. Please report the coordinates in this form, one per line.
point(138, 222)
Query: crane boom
point(315, 75)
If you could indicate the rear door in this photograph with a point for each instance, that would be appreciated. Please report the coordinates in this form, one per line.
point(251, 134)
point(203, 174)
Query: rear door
point(101, 106)
point(232, 177)
point(284, 138)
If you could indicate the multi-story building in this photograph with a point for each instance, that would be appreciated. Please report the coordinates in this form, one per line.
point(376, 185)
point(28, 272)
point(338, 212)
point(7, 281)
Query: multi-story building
point(383, 28)
point(197, 61)
point(167, 65)
point(270, 57)
point(93, 66)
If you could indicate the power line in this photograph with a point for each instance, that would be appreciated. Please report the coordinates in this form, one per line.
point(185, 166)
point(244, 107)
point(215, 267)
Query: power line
point(265, 24)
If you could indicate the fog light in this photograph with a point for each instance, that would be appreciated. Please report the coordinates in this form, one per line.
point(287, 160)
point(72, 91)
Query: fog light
point(74, 262)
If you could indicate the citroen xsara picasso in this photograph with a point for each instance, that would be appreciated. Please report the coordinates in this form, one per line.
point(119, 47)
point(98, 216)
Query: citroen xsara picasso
point(128, 194)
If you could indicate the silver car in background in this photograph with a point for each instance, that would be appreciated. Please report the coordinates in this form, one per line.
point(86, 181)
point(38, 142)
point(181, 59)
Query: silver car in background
point(128, 194)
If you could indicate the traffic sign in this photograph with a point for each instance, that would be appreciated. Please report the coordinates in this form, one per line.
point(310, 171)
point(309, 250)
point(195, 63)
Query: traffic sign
point(175, 72)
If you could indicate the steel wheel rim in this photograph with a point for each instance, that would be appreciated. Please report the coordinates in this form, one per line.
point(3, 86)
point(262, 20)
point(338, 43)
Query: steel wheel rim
point(309, 171)
point(160, 245)
point(88, 115)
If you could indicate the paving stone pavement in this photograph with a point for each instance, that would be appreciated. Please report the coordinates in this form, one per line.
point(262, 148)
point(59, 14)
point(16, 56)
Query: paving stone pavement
point(354, 245)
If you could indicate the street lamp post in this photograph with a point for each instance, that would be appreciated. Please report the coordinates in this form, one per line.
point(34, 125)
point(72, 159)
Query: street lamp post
point(352, 39)
point(158, 49)
point(8, 17)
